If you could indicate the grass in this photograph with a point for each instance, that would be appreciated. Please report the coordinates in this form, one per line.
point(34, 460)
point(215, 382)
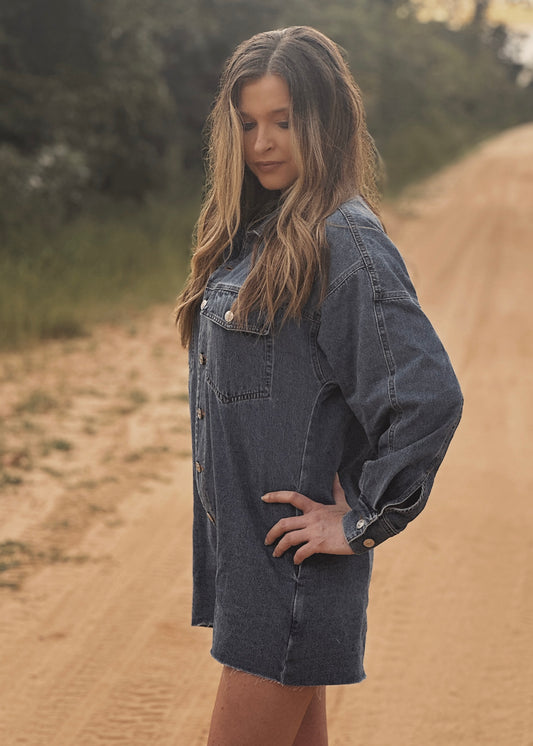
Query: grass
point(133, 399)
point(134, 456)
point(6, 478)
point(138, 397)
point(106, 266)
point(56, 444)
point(180, 396)
point(13, 554)
point(37, 402)
point(16, 557)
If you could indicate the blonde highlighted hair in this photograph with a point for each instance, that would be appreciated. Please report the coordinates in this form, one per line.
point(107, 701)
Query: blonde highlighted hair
point(336, 160)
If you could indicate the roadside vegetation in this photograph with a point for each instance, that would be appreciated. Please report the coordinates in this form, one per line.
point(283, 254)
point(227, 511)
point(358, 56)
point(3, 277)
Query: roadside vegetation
point(57, 281)
point(103, 106)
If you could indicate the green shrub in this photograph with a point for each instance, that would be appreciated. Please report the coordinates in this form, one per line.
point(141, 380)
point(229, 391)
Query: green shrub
point(55, 283)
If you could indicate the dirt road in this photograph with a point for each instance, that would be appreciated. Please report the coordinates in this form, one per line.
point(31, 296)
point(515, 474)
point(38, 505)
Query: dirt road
point(95, 643)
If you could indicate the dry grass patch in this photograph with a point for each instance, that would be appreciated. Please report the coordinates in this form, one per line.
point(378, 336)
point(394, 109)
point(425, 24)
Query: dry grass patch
point(37, 401)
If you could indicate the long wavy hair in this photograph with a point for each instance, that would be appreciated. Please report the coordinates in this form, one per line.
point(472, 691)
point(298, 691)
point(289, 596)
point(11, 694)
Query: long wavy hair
point(336, 160)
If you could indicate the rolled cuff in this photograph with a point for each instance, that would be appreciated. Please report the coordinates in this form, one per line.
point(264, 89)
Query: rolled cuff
point(363, 532)
point(363, 538)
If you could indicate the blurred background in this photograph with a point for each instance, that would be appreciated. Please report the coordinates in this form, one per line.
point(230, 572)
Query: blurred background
point(102, 107)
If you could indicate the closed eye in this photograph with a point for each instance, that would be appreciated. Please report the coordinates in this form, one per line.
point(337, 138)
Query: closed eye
point(247, 126)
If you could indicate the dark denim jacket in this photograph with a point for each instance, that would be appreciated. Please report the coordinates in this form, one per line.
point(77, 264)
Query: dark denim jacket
point(361, 386)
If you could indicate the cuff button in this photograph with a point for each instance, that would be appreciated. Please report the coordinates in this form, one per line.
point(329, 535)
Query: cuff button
point(369, 543)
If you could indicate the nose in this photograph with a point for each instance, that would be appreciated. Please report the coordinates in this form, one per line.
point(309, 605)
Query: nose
point(263, 140)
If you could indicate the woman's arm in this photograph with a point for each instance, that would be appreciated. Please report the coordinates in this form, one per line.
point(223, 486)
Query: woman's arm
point(395, 375)
point(377, 345)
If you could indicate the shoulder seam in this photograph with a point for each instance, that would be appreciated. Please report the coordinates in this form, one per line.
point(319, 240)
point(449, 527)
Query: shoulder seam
point(365, 256)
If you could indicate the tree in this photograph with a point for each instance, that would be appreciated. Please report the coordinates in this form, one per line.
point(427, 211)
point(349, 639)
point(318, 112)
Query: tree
point(86, 76)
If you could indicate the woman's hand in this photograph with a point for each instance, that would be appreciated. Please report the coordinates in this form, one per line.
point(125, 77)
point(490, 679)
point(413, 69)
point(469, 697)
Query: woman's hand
point(319, 529)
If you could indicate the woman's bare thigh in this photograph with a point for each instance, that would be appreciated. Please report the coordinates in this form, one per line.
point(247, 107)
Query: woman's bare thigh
point(314, 726)
point(251, 711)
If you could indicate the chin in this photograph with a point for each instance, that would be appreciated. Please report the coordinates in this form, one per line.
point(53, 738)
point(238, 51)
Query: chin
point(275, 185)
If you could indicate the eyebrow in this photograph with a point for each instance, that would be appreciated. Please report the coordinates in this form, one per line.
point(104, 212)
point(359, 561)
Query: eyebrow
point(283, 110)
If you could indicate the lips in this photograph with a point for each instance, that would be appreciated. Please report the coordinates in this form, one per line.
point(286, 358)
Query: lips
point(268, 165)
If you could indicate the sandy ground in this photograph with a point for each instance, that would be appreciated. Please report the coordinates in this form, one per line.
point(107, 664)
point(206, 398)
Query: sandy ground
point(95, 516)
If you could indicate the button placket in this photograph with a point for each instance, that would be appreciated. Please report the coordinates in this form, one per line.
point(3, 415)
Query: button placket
point(199, 429)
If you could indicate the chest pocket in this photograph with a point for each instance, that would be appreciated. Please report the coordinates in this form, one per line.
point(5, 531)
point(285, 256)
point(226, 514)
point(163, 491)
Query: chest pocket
point(238, 357)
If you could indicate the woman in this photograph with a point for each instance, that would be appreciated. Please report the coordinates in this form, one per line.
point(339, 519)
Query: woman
point(322, 401)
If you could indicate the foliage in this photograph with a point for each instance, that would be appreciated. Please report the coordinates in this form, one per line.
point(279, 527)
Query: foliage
point(90, 82)
point(124, 87)
point(102, 106)
point(108, 265)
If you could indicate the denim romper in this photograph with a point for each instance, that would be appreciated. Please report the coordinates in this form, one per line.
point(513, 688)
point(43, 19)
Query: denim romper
point(360, 385)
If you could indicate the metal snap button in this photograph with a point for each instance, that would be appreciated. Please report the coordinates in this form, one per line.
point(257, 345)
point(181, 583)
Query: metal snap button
point(203, 304)
point(200, 413)
point(228, 316)
point(202, 358)
point(369, 543)
point(199, 466)
point(360, 523)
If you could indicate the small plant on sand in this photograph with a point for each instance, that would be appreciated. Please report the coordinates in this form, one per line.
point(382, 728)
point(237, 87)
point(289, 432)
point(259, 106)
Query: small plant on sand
point(52, 472)
point(6, 478)
point(134, 398)
point(56, 444)
point(13, 555)
point(138, 397)
point(17, 558)
point(133, 456)
point(17, 458)
point(37, 402)
point(178, 396)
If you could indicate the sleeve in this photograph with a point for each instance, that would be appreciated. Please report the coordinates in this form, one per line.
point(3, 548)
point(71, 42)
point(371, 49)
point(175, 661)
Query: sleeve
point(377, 345)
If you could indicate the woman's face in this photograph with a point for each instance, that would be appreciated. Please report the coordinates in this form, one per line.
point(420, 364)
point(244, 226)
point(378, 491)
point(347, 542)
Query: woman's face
point(264, 107)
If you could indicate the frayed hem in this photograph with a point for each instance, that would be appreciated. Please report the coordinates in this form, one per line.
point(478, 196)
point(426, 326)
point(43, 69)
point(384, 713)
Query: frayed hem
point(262, 677)
point(258, 676)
